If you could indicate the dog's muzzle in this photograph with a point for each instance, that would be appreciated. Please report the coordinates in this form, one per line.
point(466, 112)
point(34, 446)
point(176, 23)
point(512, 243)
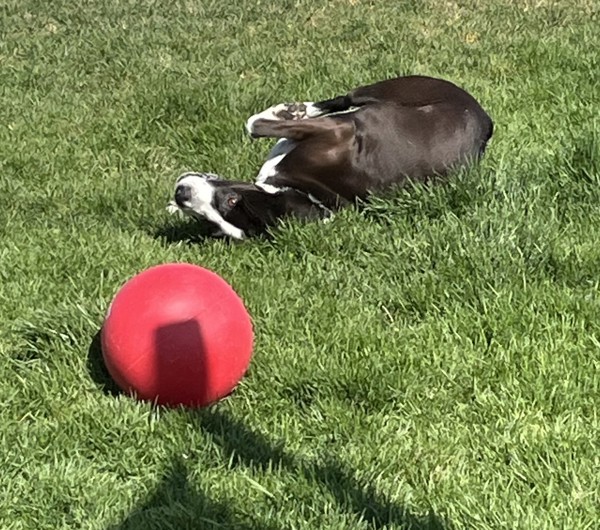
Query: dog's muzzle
point(183, 195)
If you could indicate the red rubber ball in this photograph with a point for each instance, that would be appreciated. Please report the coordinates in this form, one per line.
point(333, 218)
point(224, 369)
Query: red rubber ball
point(177, 334)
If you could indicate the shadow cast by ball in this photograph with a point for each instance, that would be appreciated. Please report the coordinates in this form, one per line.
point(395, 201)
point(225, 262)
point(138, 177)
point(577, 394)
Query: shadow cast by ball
point(97, 368)
point(177, 503)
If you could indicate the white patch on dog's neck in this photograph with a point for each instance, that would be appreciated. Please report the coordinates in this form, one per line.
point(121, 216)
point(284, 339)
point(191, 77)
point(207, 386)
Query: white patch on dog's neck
point(269, 168)
point(201, 203)
point(271, 190)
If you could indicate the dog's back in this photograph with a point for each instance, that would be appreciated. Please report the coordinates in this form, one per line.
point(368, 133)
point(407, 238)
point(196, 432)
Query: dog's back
point(409, 128)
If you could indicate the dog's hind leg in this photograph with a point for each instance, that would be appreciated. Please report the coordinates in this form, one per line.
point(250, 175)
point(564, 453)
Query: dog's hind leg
point(292, 129)
point(285, 112)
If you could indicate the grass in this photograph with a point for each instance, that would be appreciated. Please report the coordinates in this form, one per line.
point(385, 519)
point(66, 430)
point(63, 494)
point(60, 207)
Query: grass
point(431, 362)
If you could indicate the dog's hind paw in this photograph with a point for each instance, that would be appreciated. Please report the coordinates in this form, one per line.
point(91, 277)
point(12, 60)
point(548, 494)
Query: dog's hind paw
point(283, 112)
point(291, 111)
point(298, 111)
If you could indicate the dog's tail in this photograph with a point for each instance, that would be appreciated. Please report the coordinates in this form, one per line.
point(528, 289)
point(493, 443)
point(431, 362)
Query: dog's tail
point(332, 106)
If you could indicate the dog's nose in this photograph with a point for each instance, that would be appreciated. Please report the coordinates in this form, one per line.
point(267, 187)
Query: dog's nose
point(182, 195)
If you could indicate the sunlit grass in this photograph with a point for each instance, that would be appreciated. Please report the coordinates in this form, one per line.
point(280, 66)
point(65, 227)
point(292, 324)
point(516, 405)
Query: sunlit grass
point(428, 362)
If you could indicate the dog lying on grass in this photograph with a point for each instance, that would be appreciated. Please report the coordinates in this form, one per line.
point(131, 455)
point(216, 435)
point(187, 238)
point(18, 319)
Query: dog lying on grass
point(333, 153)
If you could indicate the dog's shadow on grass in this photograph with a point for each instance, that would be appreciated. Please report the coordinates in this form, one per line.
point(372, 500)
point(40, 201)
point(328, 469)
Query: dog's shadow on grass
point(196, 232)
point(176, 503)
point(186, 231)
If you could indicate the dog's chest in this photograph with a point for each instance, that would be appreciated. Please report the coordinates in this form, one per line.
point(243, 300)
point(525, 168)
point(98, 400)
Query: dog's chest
point(269, 169)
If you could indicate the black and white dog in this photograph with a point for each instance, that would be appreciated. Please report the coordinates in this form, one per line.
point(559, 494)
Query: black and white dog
point(335, 152)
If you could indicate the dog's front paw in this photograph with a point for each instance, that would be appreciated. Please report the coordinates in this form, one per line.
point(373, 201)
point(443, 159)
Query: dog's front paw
point(172, 208)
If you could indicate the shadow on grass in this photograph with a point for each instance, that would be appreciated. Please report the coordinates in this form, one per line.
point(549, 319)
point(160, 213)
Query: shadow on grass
point(196, 232)
point(190, 232)
point(176, 504)
point(245, 447)
point(97, 369)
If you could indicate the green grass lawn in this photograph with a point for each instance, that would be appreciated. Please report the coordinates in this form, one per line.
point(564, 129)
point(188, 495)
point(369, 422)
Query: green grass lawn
point(430, 362)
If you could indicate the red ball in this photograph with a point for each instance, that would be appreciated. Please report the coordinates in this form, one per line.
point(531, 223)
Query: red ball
point(177, 334)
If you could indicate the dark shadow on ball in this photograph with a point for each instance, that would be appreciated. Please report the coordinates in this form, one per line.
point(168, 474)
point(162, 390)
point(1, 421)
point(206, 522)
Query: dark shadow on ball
point(97, 368)
point(173, 368)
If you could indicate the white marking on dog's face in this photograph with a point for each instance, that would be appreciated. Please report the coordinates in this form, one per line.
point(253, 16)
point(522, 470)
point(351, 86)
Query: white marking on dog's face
point(205, 176)
point(201, 202)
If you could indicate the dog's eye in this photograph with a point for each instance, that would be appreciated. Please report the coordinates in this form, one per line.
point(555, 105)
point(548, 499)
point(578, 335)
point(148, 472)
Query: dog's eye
point(232, 201)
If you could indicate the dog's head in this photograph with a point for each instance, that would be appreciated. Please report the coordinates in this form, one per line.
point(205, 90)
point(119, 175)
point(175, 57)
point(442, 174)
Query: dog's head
point(237, 209)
